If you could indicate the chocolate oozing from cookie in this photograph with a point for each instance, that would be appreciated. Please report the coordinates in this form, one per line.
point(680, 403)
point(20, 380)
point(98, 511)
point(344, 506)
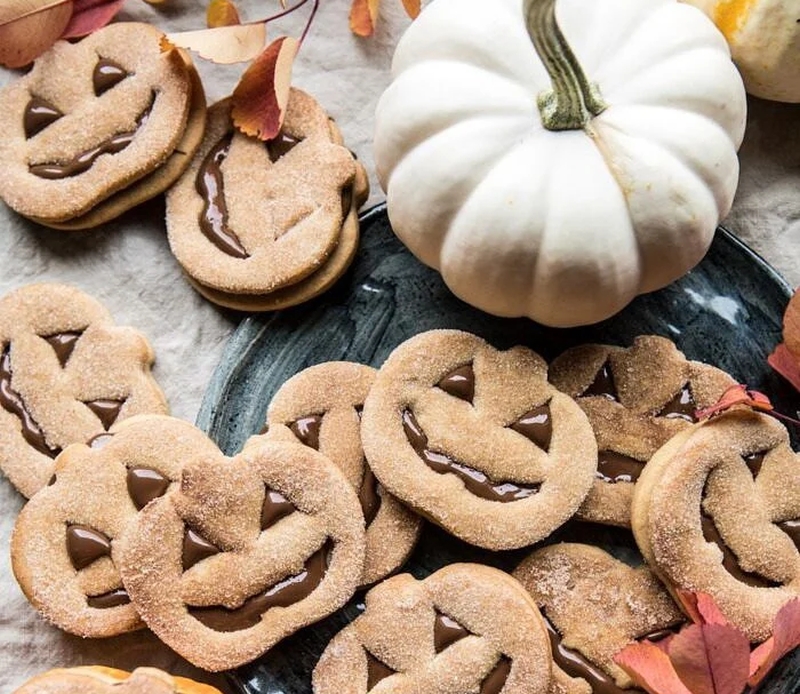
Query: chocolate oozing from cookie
point(63, 344)
point(12, 402)
point(369, 495)
point(494, 682)
point(755, 461)
point(536, 425)
point(459, 383)
point(86, 545)
point(475, 481)
point(281, 145)
point(615, 467)
point(376, 671)
point(275, 507)
point(85, 160)
point(107, 74)
point(682, 406)
point(307, 430)
point(113, 598)
point(603, 384)
point(195, 549)
point(107, 411)
point(729, 560)
point(287, 592)
point(144, 485)
point(39, 113)
point(446, 631)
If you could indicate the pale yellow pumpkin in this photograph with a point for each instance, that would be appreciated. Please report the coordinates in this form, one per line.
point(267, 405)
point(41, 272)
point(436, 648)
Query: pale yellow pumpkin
point(764, 38)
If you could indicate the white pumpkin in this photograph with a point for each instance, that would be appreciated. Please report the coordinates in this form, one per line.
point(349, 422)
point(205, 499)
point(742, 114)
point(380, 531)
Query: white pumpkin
point(764, 38)
point(564, 225)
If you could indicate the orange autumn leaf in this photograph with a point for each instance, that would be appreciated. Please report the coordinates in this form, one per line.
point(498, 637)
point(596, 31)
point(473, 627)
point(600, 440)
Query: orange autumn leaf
point(363, 16)
point(89, 16)
point(737, 395)
point(29, 27)
point(785, 637)
point(791, 326)
point(650, 668)
point(259, 100)
point(224, 45)
point(786, 364)
point(412, 8)
point(700, 607)
point(222, 13)
point(711, 658)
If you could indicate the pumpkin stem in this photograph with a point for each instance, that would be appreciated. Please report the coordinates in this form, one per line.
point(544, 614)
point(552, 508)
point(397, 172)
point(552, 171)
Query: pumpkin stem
point(573, 100)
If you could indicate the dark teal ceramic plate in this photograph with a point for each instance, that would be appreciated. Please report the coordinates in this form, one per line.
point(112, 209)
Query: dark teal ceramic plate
point(726, 312)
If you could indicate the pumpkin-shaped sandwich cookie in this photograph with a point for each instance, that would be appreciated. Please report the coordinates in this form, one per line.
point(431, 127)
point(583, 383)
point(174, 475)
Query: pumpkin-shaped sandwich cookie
point(477, 440)
point(636, 399)
point(466, 628)
point(261, 226)
point(67, 373)
point(717, 510)
point(97, 679)
point(594, 606)
point(321, 407)
point(64, 545)
point(246, 551)
point(98, 126)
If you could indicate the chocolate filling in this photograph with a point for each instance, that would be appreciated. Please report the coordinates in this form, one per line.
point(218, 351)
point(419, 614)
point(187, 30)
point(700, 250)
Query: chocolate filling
point(114, 598)
point(446, 631)
point(39, 113)
point(281, 144)
point(536, 425)
point(12, 402)
point(86, 545)
point(603, 384)
point(107, 411)
point(369, 495)
point(682, 406)
point(494, 682)
point(307, 430)
point(376, 671)
point(107, 74)
point(63, 344)
point(195, 549)
point(275, 507)
point(729, 560)
point(144, 485)
point(475, 481)
point(755, 461)
point(85, 160)
point(459, 383)
point(283, 594)
point(615, 467)
point(100, 441)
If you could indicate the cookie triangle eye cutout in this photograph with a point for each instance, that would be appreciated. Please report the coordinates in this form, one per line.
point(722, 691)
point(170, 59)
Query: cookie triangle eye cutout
point(86, 545)
point(459, 383)
point(307, 430)
point(39, 113)
point(603, 384)
point(496, 679)
point(276, 506)
point(195, 549)
point(107, 74)
point(107, 411)
point(144, 485)
point(536, 425)
point(682, 406)
point(63, 344)
point(376, 671)
point(446, 631)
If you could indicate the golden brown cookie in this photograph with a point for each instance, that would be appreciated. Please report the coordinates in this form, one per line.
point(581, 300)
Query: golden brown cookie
point(466, 628)
point(717, 510)
point(636, 399)
point(246, 551)
point(595, 605)
point(63, 548)
point(477, 440)
point(250, 219)
point(96, 679)
point(67, 373)
point(89, 120)
point(321, 407)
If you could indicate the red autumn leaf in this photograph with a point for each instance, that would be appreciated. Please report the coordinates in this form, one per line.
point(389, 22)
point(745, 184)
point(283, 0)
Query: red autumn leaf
point(222, 13)
point(786, 364)
point(711, 658)
point(90, 15)
point(259, 100)
point(650, 668)
point(363, 16)
point(701, 608)
point(412, 8)
point(29, 27)
point(785, 637)
point(737, 395)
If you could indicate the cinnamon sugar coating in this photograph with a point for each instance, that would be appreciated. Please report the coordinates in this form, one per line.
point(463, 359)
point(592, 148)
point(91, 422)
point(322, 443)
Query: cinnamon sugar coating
point(492, 630)
point(650, 376)
point(710, 514)
point(96, 679)
point(73, 373)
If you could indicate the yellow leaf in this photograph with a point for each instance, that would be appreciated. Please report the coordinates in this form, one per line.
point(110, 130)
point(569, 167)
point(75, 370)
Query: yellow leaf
point(412, 8)
point(259, 100)
point(363, 15)
point(29, 27)
point(227, 44)
point(222, 13)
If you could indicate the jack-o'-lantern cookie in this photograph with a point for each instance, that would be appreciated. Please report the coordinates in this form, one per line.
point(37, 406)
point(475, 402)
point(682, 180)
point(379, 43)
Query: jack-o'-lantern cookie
point(63, 548)
point(465, 628)
point(595, 605)
point(97, 679)
point(244, 552)
point(321, 406)
point(477, 440)
point(260, 226)
point(67, 373)
point(98, 126)
point(717, 510)
point(636, 399)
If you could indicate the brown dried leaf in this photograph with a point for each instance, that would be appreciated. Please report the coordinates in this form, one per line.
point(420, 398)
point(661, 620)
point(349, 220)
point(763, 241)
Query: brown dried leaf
point(89, 16)
point(363, 15)
point(259, 100)
point(224, 45)
point(222, 13)
point(29, 27)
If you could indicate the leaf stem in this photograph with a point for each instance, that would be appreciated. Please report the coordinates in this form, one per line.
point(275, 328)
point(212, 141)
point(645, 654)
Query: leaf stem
point(310, 20)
